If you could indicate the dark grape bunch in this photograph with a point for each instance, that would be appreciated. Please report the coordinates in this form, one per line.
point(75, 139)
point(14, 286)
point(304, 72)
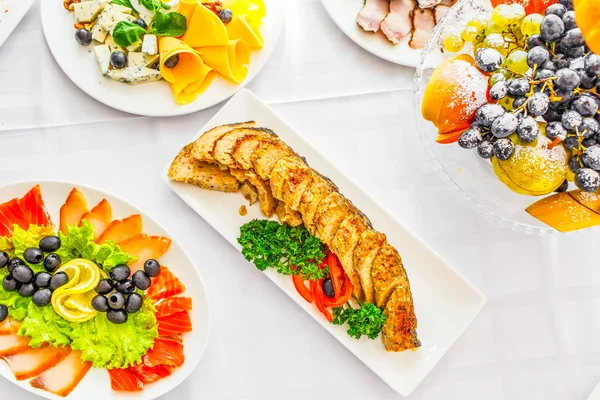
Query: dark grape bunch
point(558, 85)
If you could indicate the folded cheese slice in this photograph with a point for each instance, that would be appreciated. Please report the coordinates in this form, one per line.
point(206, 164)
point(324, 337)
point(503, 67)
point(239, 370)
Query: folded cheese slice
point(232, 61)
point(190, 66)
point(204, 27)
point(240, 29)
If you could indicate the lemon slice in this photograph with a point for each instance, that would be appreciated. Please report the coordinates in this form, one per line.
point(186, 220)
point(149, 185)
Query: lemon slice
point(72, 301)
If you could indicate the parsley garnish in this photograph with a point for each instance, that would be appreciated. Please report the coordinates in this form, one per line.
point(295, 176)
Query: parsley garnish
point(366, 320)
point(290, 250)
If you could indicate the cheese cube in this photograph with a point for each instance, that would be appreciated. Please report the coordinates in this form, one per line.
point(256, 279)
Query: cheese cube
point(121, 9)
point(99, 34)
point(134, 75)
point(137, 59)
point(103, 57)
point(89, 10)
point(150, 45)
point(110, 42)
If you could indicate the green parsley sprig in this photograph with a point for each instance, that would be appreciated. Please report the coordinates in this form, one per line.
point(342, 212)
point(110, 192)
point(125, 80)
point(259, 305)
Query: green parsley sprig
point(367, 320)
point(290, 250)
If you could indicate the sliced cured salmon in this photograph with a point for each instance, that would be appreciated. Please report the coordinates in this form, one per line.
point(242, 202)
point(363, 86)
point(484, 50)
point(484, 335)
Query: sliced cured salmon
point(32, 362)
point(145, 247)
point(172, 305)
point(12, 344)
point(9, 325)
point(11, 213)
point(121, 230)
point(125, 380)
point(74, 208)
point(64, 376)
point(152, 374)
point(174, 324)
point(165, 285)
point(34, 209)
point(100, 217)
point(165, 352)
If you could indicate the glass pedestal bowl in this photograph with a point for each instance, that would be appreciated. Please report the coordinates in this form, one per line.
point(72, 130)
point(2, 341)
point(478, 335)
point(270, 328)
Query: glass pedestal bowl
point(469, 176)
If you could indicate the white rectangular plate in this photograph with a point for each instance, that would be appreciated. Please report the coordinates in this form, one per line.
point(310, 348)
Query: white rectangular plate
point(11, 13)
point(445, 303)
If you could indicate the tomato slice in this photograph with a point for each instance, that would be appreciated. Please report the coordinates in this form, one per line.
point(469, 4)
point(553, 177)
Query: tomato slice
point(336, 273)
point(316, 287)
point(339, 301)
point(301, 288)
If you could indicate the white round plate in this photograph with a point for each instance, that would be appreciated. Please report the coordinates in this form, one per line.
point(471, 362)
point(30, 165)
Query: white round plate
point(344, 12)
point(96, 384)
point(151, 99)
point(595, 395)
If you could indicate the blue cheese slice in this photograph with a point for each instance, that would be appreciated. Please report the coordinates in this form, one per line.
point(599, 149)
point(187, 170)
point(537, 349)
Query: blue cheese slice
point(88, 10)
point(112, 45)
point(150, 45)
point(103, 57)
point(111, 16)
point(98, 34)
point(137, 59)
point(134, 75)
point(121, 9)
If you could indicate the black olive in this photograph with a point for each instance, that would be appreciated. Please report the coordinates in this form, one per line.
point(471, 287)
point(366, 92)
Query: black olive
point(172, 61)
point(125, 287)
point(152, 267)
point(3, 312)
point(13, 263)
point(42, 279)
point(23, 273)
point(134, 303)
point(141, 23)
point(50, 244)
point(59, 279)
point(116, 300)
point(42, 297)
point(100, 303)
point(27, 289)
point(33, 255)
point(105, 286)
point(3, 259)
point(9, 283)
point(52, 262)
point(141, 280)
point(120, 272)
point(328, 288)
point(117, 316)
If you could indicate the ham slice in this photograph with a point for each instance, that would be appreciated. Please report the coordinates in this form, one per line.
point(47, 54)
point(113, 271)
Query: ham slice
point(397, 23)
point(64, 377)
point(12, 344)
point(32, 362)
point(424, 24)
point(439, 12)
point(372, 13)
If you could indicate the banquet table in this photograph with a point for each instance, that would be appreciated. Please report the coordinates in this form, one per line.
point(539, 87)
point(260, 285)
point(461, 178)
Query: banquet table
point(538, 336)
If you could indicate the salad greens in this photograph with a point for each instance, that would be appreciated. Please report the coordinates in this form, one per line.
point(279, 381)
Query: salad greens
point(171, 24)
point(367, 320)
point(23, 239)
point(44, 325)
point(127, 33)
point(290, 250)
point(79, 243)
point(105, 344)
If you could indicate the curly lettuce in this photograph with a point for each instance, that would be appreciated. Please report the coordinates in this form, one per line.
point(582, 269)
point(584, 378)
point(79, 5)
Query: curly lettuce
point(107, 345)
point(44, 325)
point(23, 239)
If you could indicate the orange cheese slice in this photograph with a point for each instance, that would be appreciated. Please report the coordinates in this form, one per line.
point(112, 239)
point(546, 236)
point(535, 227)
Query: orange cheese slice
point(255, 10)
point(231, 61)
point(204, 27)
point(190, 66)
point(185, 94)
point(240, 29)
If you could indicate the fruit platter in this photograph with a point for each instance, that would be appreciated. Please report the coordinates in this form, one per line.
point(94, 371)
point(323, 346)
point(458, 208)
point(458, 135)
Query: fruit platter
point(510, 115)
point(87, 299)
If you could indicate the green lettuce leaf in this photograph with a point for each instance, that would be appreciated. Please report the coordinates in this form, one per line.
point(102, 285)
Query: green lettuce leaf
point(44, 325)
point(6, 245)
point(23, 239)
point(127, 33)
point(169, 24)
point(107, 345)
point(155, 5)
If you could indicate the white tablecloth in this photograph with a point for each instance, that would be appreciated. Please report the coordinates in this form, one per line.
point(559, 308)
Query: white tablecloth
point(538, 336)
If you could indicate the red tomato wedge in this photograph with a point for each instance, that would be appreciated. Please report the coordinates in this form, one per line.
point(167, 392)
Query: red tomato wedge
point(151, 374)
point(125, 380)
point(71, 212)
point(172, 305)
point(121, 230)
point(164, 285)
point(11, 213)
point(174, 324)
point(100, 217)
point(165, 352)
point(34, 209)
point(145, 247)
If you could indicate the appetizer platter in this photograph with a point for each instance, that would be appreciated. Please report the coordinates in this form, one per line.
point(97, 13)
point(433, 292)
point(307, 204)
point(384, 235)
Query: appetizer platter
point(95, 297)
point(11, 13)
point(361, 274)
point(161, 58)
point(395, 30)
point(519, 87)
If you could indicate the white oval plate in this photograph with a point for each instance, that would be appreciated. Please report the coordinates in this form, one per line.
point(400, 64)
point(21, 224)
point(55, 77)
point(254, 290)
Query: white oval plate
point(344, 12)
point(151, 99)
point(96, 384)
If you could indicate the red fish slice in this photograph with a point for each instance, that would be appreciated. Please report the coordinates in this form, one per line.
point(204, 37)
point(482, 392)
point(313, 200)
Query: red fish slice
point(121, 230)
point(125, 380)
point(173, 324)
point(74, 208)
point(12, 344)
point(178, 338)
point(32, 362)
point(34, 209)
point(172, 305)
point(11, 213)
point(9, 325)
point(100, 217)
point(64, 377)
point(145, 247)
point(165, 352)
point(164, 285)
point(152, 374)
